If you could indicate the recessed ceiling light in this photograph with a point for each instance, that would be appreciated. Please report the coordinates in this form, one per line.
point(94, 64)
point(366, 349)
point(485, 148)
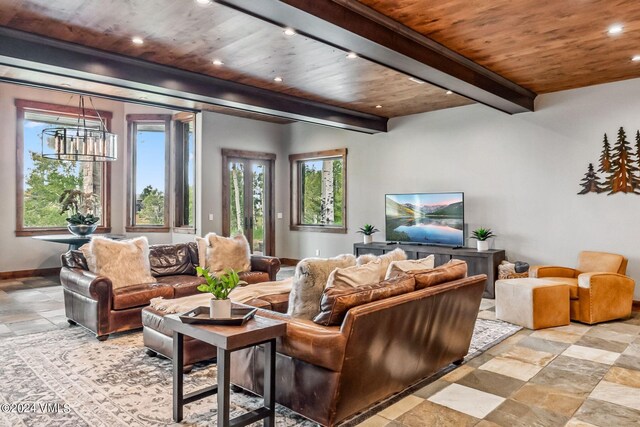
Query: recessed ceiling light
point(635, 58)
point(449, 92)
point(289, 32)
point(413, 79)
point(352, 55)
point(203, 2)
point(65, 84)
point(277, 79)
point(217, 62)
point(137, 40)
point(378, 106)
point(615, 29)
point(143, 97)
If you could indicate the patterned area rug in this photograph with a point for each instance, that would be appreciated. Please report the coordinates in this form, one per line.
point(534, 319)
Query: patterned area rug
point(114, 383)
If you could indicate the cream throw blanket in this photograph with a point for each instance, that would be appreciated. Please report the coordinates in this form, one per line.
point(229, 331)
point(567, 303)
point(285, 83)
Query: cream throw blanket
point(239, 295)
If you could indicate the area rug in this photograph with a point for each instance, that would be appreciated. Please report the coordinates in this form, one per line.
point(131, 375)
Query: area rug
point(85, 382)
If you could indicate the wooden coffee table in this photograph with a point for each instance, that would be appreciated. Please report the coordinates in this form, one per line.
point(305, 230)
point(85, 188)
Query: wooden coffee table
point(227, 339)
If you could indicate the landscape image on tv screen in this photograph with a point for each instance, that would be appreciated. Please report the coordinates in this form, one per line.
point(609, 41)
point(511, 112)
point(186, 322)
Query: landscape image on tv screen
point(431, 218)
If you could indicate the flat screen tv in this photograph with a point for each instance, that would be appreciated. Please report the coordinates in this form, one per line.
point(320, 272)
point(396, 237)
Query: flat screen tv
point(427, 218)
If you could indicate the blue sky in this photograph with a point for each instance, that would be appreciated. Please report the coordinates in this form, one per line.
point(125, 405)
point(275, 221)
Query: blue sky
point(427, 199)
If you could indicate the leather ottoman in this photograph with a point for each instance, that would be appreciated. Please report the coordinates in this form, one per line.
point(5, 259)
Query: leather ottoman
point(532, 303)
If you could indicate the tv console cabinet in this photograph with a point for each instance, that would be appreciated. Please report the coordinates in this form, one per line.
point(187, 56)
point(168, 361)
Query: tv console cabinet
point(484, 262)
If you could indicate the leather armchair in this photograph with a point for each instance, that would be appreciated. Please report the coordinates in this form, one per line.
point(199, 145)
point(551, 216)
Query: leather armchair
point(599, 289)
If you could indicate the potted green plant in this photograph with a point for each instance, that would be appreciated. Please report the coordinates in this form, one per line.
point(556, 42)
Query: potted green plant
point(482, 235)
point(219, 287)
point(367, 231)
point(81, 220)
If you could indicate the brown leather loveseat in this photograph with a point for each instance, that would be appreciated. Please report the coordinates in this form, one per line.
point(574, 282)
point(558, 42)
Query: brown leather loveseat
point(330, 373)
point(91, 301)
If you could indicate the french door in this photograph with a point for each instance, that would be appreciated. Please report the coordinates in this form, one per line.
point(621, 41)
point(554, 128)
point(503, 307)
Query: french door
point(248, 202)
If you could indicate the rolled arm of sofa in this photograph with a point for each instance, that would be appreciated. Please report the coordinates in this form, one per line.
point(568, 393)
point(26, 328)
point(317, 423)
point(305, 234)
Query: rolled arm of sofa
point(552, 271)
point(86, 283)
point(609, 280)
point(268, 264)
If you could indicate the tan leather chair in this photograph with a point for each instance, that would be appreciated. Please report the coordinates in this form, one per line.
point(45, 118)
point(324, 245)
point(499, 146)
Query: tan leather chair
point(599, 289)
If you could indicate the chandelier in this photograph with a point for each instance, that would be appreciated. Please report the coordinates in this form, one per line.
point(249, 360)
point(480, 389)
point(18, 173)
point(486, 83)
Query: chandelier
point(81, 143)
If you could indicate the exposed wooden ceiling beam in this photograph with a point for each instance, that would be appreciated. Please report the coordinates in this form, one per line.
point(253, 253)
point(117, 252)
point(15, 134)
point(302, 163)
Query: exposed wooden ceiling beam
point(32, 52)
point(344, 24)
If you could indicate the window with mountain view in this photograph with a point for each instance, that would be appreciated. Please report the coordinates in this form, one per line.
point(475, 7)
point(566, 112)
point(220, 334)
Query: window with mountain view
point(319, 191)
point(42, 181)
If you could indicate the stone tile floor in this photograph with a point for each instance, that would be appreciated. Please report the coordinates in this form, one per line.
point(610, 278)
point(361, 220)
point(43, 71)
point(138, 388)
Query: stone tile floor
point(574, 376)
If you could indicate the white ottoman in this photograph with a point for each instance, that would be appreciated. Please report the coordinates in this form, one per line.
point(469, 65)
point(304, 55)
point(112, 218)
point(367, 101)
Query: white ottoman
point(532, 303)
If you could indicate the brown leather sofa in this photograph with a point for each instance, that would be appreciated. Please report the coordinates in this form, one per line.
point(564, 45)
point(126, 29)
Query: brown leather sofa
point(599, 290)
point(91, 301)
point(330, 373)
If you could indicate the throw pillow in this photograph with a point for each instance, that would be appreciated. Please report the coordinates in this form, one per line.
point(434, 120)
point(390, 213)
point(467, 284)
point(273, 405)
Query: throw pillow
point(395, 255)
point(453, 270)
point(124, 262)
point(310, 280)
point(88, 256)
point(228, 252)
point(410, 266)
point(203, 244)
point(357, 275)
point(337, 302)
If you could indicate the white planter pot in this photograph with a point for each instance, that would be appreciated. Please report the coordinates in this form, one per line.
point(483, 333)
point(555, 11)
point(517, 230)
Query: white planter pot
point(368, 239)
point(483, 245)
point(220, 308)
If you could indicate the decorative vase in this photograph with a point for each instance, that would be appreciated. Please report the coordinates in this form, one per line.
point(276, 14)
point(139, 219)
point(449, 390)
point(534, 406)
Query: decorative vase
point(220, 308)
point(368, 238)
point(483, 245)
point(81, 229)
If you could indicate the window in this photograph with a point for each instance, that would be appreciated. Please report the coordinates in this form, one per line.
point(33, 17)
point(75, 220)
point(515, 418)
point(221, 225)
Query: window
point(40, 182)
point(148, 200)
point(185, 157)
point(318, 193)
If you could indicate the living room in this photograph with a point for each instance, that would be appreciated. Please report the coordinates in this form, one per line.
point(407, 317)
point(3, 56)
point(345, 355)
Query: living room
point(522, 166)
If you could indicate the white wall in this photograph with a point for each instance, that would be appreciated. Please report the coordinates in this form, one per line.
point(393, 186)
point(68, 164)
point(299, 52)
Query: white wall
point(520, 174)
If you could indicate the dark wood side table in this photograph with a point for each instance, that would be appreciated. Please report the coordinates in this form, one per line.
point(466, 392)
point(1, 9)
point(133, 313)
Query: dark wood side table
point(256, 331)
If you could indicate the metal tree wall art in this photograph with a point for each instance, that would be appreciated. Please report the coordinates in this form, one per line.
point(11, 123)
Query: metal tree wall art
point(619, 165)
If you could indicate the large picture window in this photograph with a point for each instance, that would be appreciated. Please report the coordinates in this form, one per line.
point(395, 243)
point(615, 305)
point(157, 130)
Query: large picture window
point(41, 182)
point(318, 193)
point(148, 193)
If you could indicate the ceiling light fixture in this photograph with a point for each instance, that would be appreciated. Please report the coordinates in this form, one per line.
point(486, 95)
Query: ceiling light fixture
point(82, 142)
point(65, 85)
point(378, 106)
point(615, 29)
point(203, 2)
point(352, 55)
point(277, 79)
point(137, 40)
point(449, 92)
point(217, 62)
point(635, 58)
point(289, 32)
point(413, 79)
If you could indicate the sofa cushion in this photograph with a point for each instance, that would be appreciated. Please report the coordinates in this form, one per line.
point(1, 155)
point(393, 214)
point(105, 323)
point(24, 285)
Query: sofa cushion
point(337, 301)
point(277, 302)
point(173, 259)
point(395, 255)
point(139, 295)
point(183, 285)
point(74, 259)
point(410, 266)
point(124, 262)
point(228, 252)
point(252, 277)
point(354, 276)
point(310, 280)
point(572, 283)
point(453, 270)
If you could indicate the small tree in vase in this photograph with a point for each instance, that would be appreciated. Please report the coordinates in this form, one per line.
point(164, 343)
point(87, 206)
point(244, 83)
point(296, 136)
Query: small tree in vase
point(368, 231)
point(80, 206)
point(219, 287)
point(482, 235)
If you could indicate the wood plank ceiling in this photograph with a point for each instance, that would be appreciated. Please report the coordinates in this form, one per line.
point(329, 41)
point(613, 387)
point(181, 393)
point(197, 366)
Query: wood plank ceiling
point(542, 45)
point(185, 35)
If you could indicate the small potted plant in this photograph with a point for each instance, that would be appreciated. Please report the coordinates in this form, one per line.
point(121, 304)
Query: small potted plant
point(482, 235)
point(220, 287)
point(367, 231)
point(81, 222)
